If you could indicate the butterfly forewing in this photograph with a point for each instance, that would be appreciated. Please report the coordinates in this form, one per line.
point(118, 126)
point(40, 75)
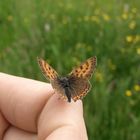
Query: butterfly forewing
point(47, 70)
point(86, 69)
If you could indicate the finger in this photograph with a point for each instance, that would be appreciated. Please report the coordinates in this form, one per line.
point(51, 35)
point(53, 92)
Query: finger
point(62, 120)
point(21, 100)
point(3, 126)
point(18, 134)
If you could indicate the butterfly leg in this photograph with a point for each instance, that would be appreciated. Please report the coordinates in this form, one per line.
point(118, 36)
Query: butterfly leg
point(62, 97)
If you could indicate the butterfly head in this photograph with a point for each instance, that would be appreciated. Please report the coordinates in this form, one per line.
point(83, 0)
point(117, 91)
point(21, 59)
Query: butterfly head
point(64, 82)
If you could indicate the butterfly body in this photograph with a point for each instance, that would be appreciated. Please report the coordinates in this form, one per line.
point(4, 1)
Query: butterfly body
point(73, 86)
point(65, 83)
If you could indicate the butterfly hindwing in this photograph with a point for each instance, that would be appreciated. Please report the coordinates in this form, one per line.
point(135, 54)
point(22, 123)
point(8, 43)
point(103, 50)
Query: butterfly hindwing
point(59, 89)
point(47, 70)
point(86, 69)
point(79, 87)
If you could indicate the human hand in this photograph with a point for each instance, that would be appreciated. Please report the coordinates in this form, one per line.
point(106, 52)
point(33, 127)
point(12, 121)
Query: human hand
point(30, 111)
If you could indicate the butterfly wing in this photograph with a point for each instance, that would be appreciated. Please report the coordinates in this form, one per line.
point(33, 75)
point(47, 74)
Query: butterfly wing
point(47, 70)
point(52, 75)
point(59, 89)
point(79, 87)
point(79, 78)
point(86, 69)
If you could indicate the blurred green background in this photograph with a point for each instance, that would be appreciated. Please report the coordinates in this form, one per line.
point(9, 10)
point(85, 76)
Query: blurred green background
point(66, 33)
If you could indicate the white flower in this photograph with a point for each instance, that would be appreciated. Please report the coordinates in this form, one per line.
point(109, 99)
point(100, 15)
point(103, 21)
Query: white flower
point(47, 27)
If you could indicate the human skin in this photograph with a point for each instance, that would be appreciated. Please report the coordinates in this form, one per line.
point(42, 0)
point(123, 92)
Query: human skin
point(30, 110)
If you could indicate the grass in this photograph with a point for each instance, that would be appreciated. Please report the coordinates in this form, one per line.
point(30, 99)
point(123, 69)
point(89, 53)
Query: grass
point(66, 33)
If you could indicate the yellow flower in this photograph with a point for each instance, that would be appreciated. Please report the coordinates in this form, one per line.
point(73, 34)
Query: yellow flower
point(137, 38)
point(75, 60)
point(89, 48)
point(128, 93)
point(125, 16)
point(81, 46)
point(79, 19)
point(97, 11)
point(132, 25)
point(64, 21)
point(52, 16)
point(122, 50)
point(106, 17)
point(10, 18)
point(134, 10)
point(26, 20)
point(86, 18)
point(129, 38)
point(61, 4)
point(111, 65)
point(95, 19)
point(92, 3)
point(99, 76)
point(69, 6)
point(137, 87)
point(138, 51)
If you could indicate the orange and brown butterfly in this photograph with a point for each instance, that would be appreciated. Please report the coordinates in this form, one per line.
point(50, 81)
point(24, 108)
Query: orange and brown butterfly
point(76, 84)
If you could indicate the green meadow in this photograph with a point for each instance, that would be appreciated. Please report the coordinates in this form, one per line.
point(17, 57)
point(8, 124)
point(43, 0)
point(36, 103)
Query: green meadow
point(66, 33)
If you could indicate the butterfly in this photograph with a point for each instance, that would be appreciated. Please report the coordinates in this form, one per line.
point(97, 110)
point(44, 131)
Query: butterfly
point(76, 84)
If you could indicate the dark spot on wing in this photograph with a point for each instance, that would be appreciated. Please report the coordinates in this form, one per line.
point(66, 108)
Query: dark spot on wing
point(87, 63)
point(81, 67)
point(84, 71)
point(53, 71)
